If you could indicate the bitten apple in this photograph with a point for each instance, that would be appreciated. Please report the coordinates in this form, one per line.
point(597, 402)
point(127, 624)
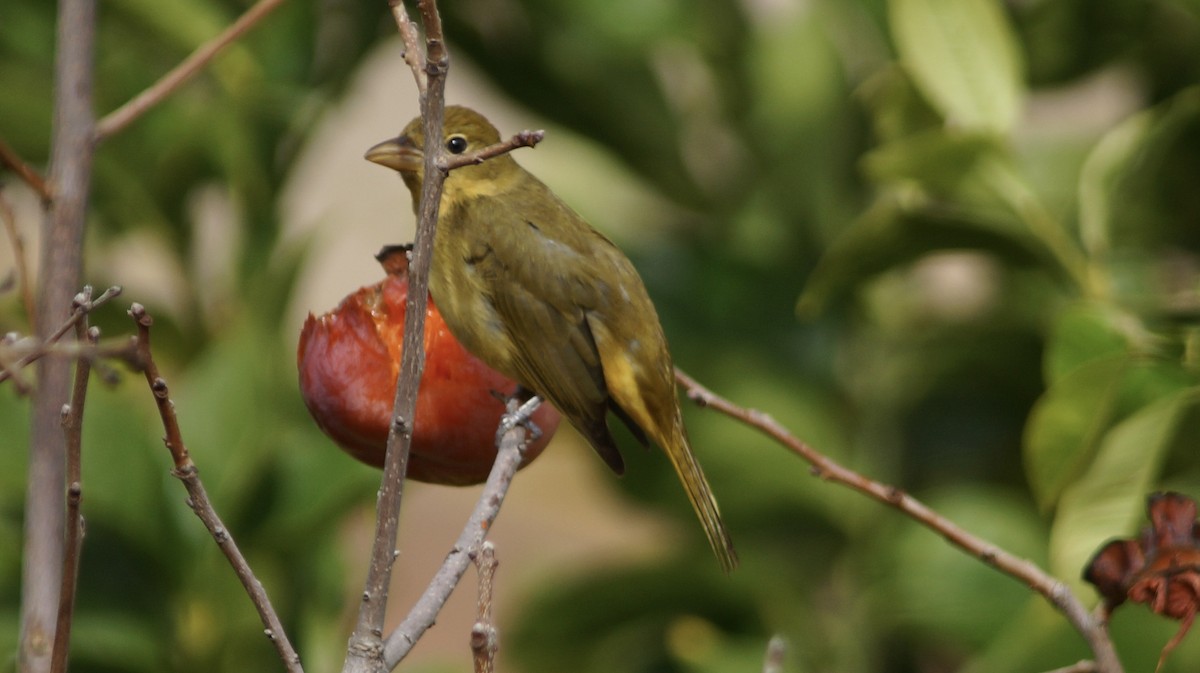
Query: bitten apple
point(349, 359)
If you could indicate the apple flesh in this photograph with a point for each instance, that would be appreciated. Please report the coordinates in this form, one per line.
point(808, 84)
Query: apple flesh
point(349, 359)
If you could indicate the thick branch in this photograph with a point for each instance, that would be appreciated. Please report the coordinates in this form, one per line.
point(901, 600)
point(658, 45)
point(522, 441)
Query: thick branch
point(59, 276)
point(187, 472)
point(125, 115)
point(1092, 629)
point(365, 653)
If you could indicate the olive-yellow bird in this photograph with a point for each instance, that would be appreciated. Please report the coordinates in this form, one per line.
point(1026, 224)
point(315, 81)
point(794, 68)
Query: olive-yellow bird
point(535, 292)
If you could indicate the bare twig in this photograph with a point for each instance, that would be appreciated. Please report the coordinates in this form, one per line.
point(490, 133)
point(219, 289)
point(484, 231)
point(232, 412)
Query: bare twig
point(59, 275)
point(425, 611)
point(123, 349)
point(414, 56)
point(123, 116)
point(18, 250)
point(1085, 666)
point(187, 472)
point(73, 428)
point(10, 368)
point(9, 158)
point(1092, 629)
point(50, 344)
point(484, 643)
point(522, 139)
point(776, 651)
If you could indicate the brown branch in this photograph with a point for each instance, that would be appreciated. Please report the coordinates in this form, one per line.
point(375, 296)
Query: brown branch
point(365, 652)
point(124, 350)
point(522, 139)
point(1092, 629)
point(414, 56)
point(73, 428)
point(1084, 666)
point(18, 247)
point(50, 344)
point(123, 116)
point(425, 611)
point(484, 644)
point(27, 173)
point(187, 472)
point(60, 272)
point(10, 368)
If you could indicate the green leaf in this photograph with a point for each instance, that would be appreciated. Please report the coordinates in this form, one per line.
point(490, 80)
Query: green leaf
point(1102, 169)
point(1084, 332)
point(1135, 185)
point(1107, 501)
point(894, 232)
point(963, 55)
point(897, 108)
point(1067, 422)
point(940, 161)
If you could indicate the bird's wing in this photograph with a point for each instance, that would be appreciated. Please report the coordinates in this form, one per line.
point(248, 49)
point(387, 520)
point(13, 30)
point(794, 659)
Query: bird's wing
point(541, 287)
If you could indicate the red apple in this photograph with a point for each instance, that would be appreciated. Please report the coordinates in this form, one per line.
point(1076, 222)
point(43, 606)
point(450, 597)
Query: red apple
point(349, 359)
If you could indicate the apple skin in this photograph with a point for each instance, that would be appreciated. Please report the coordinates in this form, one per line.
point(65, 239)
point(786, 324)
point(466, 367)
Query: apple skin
point(349, 359)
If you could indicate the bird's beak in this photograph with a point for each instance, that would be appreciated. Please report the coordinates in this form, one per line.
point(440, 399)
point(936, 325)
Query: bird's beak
point(398, 154)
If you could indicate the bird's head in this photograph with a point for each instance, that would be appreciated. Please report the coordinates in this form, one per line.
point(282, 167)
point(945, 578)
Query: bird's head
point(463, 130)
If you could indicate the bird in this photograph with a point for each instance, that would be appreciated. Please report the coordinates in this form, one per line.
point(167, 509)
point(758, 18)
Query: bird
point(536, 293)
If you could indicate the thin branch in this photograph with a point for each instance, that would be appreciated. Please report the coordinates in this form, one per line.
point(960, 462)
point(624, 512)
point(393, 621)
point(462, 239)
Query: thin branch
point(123, 116)
point(436, 57)
point(60, 272)
point(18, 248)
point(776, 653)
point(73, 428)
point(484, 642)
point(10, 347)
point(522, 139)
point(1092, 629)
point(123, 349)
point(414, 56)
point(426, 609)
point(50, 344)
point(1085, 666)
point(187, 472)
point(27, 173)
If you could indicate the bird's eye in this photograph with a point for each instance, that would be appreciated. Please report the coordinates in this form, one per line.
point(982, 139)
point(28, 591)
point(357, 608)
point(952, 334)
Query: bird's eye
point(456, 144)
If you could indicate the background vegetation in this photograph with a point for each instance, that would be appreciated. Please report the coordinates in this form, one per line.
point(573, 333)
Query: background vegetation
point(953, 244)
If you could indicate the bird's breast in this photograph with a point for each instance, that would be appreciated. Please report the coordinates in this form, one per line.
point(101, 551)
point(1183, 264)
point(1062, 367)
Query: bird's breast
point(463, 300)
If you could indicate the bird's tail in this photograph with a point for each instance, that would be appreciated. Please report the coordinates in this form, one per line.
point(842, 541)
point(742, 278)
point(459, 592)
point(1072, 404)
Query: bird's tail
point(679, 450)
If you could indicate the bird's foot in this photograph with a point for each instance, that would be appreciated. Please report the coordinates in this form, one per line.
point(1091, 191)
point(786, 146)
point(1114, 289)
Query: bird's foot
point(519, 413)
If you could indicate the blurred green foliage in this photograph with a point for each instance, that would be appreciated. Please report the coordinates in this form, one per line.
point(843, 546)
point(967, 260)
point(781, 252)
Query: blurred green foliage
point(952, 243)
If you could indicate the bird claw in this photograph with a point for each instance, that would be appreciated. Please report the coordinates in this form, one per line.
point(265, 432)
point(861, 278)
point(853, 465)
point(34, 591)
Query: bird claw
point(519, 414)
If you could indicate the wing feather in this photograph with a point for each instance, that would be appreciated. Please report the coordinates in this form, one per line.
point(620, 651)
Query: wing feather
point(543, 288)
